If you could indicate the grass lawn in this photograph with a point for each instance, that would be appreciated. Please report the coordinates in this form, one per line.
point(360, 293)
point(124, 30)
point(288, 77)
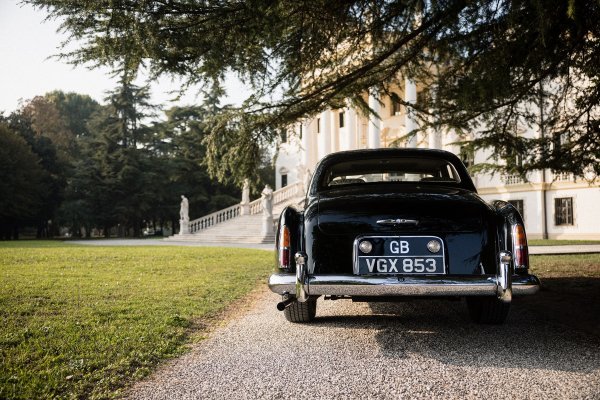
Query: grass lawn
point(566, 266)
point(82, 322)
point(554, 242)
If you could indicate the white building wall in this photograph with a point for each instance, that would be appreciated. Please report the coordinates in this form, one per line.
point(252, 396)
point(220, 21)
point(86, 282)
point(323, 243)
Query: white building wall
point(586, 213)
point(288, 159)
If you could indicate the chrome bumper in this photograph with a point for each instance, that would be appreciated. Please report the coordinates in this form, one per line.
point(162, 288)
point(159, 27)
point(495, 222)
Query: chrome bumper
point(354, 285)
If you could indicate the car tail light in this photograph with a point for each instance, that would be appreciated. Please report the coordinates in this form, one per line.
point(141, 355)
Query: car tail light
point(521, 253)
point(284, 247)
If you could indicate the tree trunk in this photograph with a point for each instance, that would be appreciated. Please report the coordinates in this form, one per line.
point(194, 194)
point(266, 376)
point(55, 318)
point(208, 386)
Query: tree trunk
point(136, 228)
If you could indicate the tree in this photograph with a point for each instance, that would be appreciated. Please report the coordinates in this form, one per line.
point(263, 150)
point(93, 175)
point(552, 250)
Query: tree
point(76, 110)
point(485, 64)
point(53, 162)
point(181, 143)
point(22, 183)
point(47, 121)
point(54, 125)
point(117, 150)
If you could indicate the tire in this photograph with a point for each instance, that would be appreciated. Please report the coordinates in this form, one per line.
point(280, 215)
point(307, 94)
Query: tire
point(301, 312)
point(487, 310)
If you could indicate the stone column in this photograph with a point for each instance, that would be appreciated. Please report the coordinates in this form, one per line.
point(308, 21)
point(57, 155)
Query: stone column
point(435, 134)
point(451, 137)
point(305, 143)
point(410, 96)
point(435, 139)
point(351, 130)
point(374, 139)
point(334, 130)
point(324, 134)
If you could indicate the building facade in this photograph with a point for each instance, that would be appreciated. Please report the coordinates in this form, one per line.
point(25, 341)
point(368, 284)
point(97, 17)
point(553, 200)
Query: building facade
point(556, 206)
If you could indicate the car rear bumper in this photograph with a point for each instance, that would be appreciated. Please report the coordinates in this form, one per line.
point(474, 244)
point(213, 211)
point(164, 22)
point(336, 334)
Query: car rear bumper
point(353, 285)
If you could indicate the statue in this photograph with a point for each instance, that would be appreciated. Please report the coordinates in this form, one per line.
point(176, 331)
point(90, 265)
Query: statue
point(184, 217)
point(267, 205)
point(307, 177)
point(246, 192)
point(267, 201)
point(184, 209)
point(245, 204)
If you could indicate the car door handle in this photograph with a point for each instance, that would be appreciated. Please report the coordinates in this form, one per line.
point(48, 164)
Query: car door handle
point(399, 221)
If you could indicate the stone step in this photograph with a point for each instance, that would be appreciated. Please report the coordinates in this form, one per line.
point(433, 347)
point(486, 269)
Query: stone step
point(222, 239)
point(242, 229)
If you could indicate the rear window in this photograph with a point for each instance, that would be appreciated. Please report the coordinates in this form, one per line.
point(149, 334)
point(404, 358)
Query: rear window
point(405, 169)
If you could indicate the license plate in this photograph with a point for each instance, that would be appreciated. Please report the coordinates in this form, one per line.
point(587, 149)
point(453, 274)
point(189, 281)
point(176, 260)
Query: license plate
point(399, 255)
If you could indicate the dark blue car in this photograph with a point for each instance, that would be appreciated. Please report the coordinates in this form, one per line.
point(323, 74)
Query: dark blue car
point(392, 224)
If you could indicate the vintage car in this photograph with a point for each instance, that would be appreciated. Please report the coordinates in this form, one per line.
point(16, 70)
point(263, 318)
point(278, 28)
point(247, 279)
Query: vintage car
point(398, 224)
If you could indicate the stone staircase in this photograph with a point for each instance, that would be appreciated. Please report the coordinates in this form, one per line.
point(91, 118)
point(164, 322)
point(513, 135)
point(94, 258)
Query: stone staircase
point(229, 226)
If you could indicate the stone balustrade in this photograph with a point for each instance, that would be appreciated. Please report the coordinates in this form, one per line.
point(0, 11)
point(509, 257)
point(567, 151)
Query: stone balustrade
point(563, 177)
point(255, 207)
point(215, 218)
point(288, 192)
point(512, 179)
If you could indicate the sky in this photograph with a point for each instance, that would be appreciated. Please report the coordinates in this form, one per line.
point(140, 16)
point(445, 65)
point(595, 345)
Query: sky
point(27, 44)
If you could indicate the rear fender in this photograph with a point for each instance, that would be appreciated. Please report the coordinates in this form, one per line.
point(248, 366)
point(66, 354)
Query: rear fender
point(292, 219)
point(509, 220)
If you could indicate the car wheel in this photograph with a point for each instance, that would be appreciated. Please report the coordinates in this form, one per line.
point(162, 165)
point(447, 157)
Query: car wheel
point(487, 310)
point(301, 312)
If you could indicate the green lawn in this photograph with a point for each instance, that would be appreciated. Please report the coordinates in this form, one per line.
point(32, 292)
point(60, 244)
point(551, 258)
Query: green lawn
point(566, 266)
point(82, 322)
point(554, 242)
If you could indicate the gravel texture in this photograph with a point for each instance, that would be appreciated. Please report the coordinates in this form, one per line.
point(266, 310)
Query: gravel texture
point(421, 349)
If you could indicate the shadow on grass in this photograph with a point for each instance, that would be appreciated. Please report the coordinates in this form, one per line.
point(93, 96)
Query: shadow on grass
point(557, 329)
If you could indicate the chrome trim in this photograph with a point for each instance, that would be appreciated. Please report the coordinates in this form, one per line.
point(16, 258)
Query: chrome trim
point(399, 221)
point(355, 254)
point(353, 285)
point(504, 277)
point(301, 285)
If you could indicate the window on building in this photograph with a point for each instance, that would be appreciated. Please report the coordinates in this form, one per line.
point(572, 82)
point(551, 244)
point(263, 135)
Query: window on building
point(518, 204)
point(563, 211)
point(284, 136)
point(283, 180)
point(515, 158)
point(467, 156)
point(423, 97)
point(341, 116)
point(396, 105)
point(318, 125)
point(559, 141)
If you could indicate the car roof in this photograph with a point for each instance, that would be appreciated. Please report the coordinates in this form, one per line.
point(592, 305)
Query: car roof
point(405, 152)
point(349, 155)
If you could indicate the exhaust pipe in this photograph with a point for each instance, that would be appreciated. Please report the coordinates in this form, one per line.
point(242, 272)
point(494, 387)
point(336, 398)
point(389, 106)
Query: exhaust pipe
point(282, 305)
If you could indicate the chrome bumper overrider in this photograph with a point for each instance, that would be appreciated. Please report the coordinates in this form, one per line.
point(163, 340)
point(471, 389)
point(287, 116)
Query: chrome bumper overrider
point(354, 285)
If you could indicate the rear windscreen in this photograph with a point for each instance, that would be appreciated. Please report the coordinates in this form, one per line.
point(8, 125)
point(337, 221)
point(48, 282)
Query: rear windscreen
point(405, 169)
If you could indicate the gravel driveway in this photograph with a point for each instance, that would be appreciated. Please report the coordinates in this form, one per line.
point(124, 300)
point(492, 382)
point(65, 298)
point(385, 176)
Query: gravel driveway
point(420, 349)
